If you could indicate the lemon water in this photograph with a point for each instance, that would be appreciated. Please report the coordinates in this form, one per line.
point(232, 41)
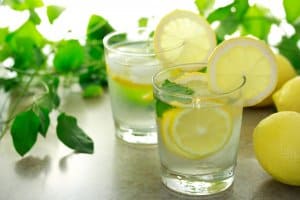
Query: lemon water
point(211, 166)
point(198, 130)
point(129, 79)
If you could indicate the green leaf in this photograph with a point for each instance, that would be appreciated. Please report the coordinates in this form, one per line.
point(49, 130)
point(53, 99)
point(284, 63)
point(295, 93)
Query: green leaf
point(50, 100)
point(237, 10)
point(72, 136)
point(292, 10)
point(53, 12)
point(3, 33)
point(43, 115)
point(29, 31)
point(25, 45)
point(24, 131)
point(288, 47)
point(92, 91)
point(69, 56)
point(161, 107)
point(257, 21)
point(9, 83)
point(26, 54)
point(204, 5)
point(24, 4)
point(95, 74)
point(143, 22)
point(34, 17)
point(97, 28)
point(172, 87)
point(230, 18)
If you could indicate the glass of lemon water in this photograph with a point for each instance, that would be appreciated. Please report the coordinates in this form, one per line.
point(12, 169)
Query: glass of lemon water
point(131, 63)
point(198, 130)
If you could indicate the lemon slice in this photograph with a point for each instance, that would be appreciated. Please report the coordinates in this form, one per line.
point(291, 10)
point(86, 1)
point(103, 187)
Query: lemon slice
point(138, 93)
point(197, 81)
point(205, 137)
point(238, 57)
point(166, 134)
point(183, 37)
point(184, 137)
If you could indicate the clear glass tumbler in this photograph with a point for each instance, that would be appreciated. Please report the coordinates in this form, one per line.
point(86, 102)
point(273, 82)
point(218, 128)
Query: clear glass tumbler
point(198, 130)
point(131, 63)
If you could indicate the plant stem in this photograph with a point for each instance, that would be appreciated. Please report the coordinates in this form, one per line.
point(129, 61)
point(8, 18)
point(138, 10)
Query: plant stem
point(15, 105)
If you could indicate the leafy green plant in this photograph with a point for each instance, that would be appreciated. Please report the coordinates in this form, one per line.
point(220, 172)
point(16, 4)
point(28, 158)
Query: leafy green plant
point(240, 17)
point(72, 62)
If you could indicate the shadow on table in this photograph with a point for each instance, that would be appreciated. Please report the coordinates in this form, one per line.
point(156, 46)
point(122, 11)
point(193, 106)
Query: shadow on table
point(31, 167)
point(274, 190)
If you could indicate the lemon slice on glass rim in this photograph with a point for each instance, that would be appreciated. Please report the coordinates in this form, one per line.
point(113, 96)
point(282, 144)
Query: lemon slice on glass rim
point(183, 37)
point(244, 57)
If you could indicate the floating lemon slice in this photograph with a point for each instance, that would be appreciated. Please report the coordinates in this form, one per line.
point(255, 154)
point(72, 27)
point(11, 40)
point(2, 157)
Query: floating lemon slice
point(184, 137)
point(243, 57)
point(137, 93)
point(183, 37)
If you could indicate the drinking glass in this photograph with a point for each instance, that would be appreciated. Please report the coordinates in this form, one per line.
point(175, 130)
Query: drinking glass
point(198, 129)
point(131, 63)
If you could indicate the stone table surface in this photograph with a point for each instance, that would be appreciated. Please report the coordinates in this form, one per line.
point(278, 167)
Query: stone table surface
point(50, 171)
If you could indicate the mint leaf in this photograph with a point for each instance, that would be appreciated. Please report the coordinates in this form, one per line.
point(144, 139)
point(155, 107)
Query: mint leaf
point(170, 87)
point(24, 4)
point(34, 17)
point(27, 30)
point(3, 33)
point(288, 47)
point(49, 100)
point(53, 12)
point(292, 10)
point(97, 28)
point(161, 107)
point(43, 115)
point(143, 22)
point(24, 45)
point(9, 83)
point(257, 21)
point(203, 5)
point(72, 136)
point(230, 18)
point(176, 88)
point(24, 131)
point(69, 56)
point(92, 91)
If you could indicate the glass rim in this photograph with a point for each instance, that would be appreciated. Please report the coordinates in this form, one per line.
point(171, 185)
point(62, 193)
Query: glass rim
point(130, 53)
point(213, 95)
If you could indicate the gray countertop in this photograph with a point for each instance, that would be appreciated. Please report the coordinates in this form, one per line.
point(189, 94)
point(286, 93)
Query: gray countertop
point(117, 170)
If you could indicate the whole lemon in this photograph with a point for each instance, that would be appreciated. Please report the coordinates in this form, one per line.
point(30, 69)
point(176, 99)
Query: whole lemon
point(276, 141)
point(288, 97)
point(285, 72)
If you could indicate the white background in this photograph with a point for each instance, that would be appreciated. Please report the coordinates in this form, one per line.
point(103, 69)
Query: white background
point(121, 14)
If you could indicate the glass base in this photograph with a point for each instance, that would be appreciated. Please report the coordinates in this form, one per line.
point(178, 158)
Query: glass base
point(198, 184)
point(137, 136)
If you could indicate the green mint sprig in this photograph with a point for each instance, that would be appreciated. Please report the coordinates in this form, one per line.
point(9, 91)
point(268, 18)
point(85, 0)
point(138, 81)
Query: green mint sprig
point(170, 87)
point(72, 61)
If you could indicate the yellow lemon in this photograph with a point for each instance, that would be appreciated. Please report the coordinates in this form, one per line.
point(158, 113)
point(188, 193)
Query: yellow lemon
point(276, 141)
point(242, 57)
point(182, 136)
point(287, 98)
point(183, 37)
point(285, 72)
